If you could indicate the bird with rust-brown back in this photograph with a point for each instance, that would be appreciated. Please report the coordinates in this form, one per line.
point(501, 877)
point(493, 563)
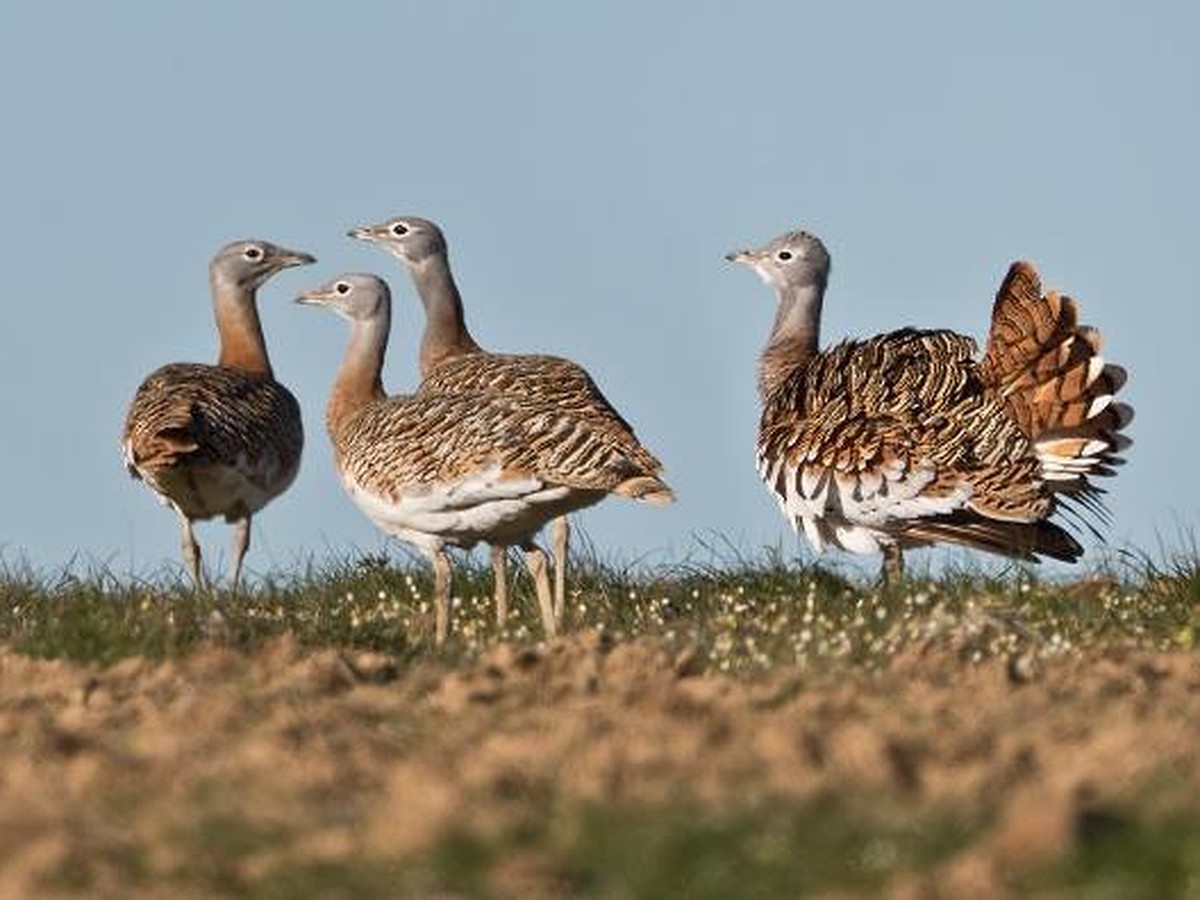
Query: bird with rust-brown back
point(453, 469)
point(225, 439)
point(451, 361)
point(907, 438)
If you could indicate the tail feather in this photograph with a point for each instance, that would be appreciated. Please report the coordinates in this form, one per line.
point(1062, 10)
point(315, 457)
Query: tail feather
point(646, 488)
point(163, 441)
point(1020, 540)
point(1049, 373)
point(1085, 511)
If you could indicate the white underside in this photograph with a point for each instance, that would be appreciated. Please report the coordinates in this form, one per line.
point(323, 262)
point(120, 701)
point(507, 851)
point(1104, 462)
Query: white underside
point(482, 507)
point(204, 492)
point(857, 512)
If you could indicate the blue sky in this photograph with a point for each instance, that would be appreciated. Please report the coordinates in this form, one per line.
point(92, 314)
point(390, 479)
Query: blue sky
point(591, 164)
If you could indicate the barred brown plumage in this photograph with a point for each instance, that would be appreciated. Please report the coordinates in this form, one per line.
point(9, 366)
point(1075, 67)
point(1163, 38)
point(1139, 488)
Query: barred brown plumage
point(541, 381)
point(187, 417)
point(454, 469)
point(452, 361)
point(906, 439)
point(225, 439)
point(389, 446)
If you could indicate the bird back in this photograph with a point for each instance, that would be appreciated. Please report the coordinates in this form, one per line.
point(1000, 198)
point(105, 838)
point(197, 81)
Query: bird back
point(540, 382)
point(191, 414)
point(410, 443)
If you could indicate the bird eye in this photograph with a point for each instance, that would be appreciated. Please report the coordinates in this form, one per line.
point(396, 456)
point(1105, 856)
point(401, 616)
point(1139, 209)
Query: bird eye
point(783, 255)
point(399, 229)
point(342, 287)
point(253, 253)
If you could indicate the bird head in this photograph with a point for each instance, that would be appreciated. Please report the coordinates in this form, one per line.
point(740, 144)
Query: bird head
point(414, 240)
point(356, 296)
point(247, 264)
point(792, 260)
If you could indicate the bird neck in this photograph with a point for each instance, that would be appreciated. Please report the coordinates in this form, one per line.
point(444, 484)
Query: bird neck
point(239, 328)
point(794, 336)
point(359, 381)
point(446, 334)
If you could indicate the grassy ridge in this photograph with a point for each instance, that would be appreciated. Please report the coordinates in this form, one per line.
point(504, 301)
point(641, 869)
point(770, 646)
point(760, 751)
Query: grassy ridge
point(739, 616)
point(782, 630)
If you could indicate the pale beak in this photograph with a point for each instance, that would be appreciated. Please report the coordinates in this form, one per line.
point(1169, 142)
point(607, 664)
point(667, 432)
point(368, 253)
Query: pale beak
point(314, 297)
point(370, 233)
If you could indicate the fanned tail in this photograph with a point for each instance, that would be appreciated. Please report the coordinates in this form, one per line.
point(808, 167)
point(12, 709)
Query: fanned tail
point(1049, 373)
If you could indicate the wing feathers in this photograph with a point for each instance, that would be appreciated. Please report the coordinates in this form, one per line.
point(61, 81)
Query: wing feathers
point(906, 437)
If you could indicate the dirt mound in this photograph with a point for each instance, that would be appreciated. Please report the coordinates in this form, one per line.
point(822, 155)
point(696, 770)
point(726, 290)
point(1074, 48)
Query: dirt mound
point(218, 770)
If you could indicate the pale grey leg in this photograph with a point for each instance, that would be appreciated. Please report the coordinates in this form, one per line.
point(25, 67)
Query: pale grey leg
point(191, 553)
point(241, 543)
point(561, 536)
point(441, 595)
point(500, 582)
point(535, 562)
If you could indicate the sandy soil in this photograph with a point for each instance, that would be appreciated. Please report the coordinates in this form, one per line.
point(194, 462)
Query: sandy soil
point(107, 772)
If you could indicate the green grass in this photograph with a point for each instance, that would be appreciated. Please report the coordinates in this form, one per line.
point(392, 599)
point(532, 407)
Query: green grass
point(1145, 847)
point(833, 845)
point(684, 850)
point(735, 616)
point(679, 849)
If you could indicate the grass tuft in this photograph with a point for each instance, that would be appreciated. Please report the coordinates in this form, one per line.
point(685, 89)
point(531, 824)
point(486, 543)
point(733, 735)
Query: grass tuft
point(734, 614)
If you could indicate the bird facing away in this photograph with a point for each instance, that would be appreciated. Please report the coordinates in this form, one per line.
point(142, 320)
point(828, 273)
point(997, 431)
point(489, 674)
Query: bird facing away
point(445, 470)
point(451, 361)
point(220, 440)
point(906, 439)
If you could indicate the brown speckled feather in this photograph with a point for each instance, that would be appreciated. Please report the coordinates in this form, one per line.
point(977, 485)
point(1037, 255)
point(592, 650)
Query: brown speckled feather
point(1049, 372)
point(402, 444)
point(906, 438)
point(898, 400)
point(188, 417)
point(534, 382)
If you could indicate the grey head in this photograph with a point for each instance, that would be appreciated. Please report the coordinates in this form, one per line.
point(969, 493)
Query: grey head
point(356, 296)
point(247, 264)
point(411, 238)
point(796, 259)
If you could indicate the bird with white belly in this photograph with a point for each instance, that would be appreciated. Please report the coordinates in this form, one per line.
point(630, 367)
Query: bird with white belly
point(441, 470)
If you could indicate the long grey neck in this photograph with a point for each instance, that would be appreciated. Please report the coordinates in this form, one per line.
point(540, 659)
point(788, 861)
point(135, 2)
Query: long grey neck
point(360, 379)
point(794, 336)
point(446, 333)
point(239, 328)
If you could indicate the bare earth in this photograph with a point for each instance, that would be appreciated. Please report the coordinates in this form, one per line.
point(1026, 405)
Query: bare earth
point(214, 773)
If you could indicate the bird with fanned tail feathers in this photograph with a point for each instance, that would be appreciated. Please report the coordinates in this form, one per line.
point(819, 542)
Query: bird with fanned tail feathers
point(452, 469)
point(451, 361)
point(908, 439)
point(220, 440)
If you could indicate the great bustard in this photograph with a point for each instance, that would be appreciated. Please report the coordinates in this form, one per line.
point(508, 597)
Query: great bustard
point(452, 361)
point(453, 469)
point(220, 440)
point(906, 439)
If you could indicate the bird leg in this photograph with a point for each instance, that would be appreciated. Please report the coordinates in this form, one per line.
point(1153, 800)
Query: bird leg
point(191, 553)
point(892, 572)
point(500, 582)
point(561, 535)
point(535, 562)
point(241, 543)
point(441, 595)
